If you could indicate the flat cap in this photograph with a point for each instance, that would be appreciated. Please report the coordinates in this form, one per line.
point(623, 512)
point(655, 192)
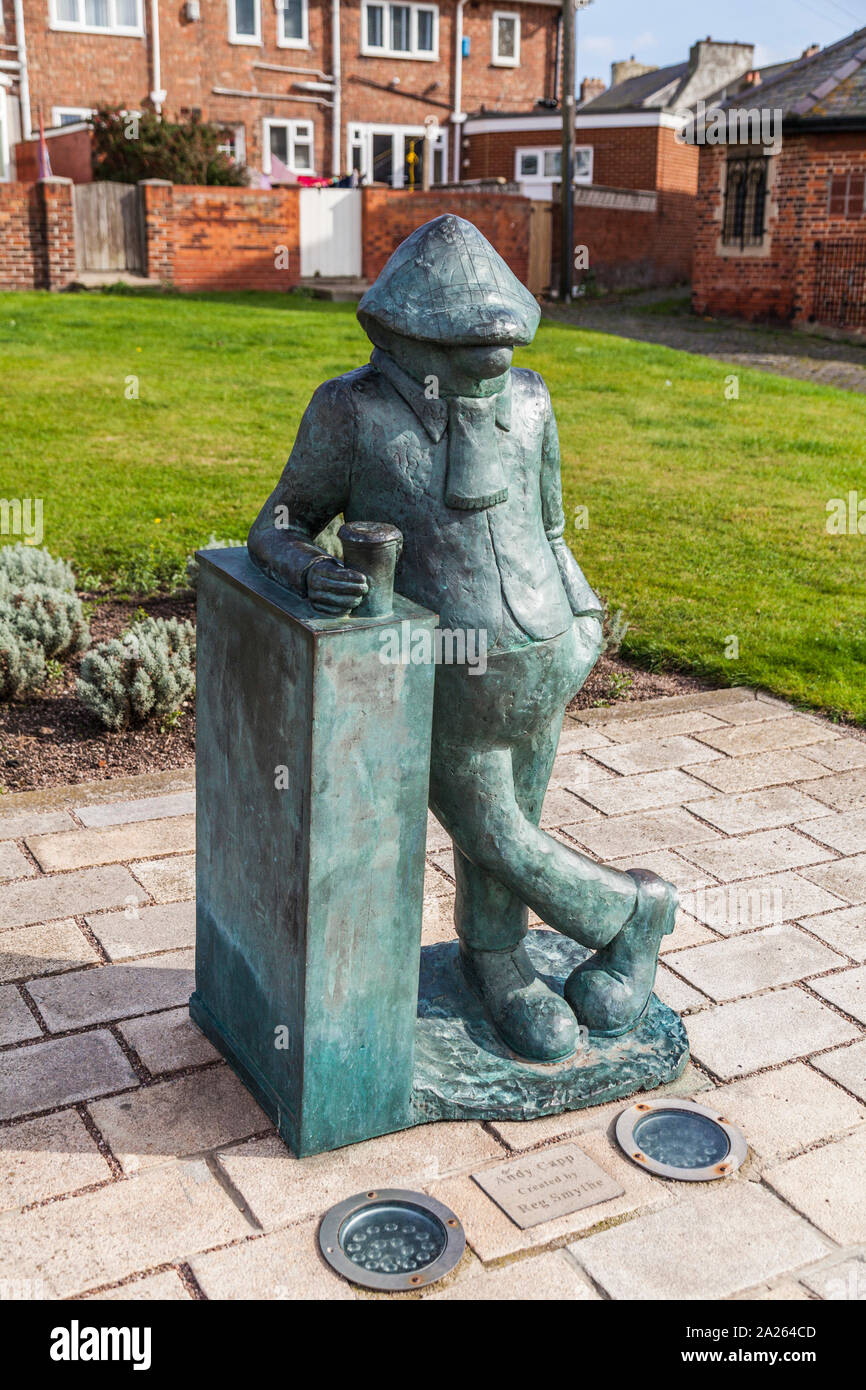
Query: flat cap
point(446, 284)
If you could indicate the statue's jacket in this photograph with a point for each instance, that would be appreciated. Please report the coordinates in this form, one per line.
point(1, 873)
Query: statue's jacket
point(374, 447)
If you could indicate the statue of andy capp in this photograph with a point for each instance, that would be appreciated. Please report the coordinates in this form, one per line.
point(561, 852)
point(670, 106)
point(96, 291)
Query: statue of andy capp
point(441, 437)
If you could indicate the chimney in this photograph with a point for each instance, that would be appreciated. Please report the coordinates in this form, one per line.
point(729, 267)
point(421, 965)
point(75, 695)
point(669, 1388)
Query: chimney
point(714, 66)
point(591, 87)
point(626, 68)
point(811, 50)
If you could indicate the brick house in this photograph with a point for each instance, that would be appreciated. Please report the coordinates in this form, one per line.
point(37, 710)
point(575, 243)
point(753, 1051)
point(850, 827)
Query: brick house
point(323, 85)
point(636, 178)
point(781, 207)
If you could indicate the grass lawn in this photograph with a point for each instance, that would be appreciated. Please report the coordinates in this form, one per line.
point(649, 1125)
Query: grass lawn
point(707, 516)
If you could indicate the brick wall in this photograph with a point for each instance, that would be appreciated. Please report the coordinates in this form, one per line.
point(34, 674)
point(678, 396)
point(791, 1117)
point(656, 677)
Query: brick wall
point(37, 239)
point(389, 215)
point(223, 238)
point(623, 156)
point(776, 280)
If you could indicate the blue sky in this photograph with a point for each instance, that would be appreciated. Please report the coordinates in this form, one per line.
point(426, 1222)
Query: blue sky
point(663, 32)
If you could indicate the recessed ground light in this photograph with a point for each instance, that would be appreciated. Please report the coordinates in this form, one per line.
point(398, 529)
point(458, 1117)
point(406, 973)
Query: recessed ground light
point(391, 1240)
point(681, 1139)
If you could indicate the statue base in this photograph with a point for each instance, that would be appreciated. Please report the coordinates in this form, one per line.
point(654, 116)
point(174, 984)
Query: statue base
point(463, 1071)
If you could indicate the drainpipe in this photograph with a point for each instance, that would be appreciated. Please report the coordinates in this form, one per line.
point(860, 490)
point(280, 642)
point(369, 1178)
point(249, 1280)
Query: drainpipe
point(458, 85)
point(336, 114)
point(24, 77)
point(158, 94)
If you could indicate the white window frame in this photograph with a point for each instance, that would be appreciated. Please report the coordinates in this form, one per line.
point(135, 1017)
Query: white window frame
point(5, 171)
point(359, 135)
point(251, 40)
point(81, 113)
point(304, 41)
point(541, 177)
point(79, 27)
point(297, 132)
point(413, 53)
point(496, 59)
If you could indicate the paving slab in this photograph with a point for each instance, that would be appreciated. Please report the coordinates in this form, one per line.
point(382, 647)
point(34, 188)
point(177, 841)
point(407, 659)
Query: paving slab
point(750, 1034)
point(163, 1287)
point(674, 992)
point(843, 1281)
point(750, 712)
point(16, 1020)
point(707, 1246)
point(764, 852)
point(43, 950)
point(145, 808)
point(13, 864)
point(791, 731)
point(437, 835)
point(688, 931)
point(437, 923)
point(844, 877)
point(108, 992)
point(168, 1041)
point(844, 930)
point(670, 865)
point(47, 1158)
point(646, 791)
point(66, 895)
point(175, 1118)
point(167, 1214)
point(167, 880)
point(846, 989)
point(549, 1277)
point(763, 809)
point(651, 755)
point(845, 832)
point(753, 771)
point(753, 961)
point(281, 1188)
point(844, 791)
point(562, 806)
point(847, 1065)
point(78, 849)
point(623, 835)
point(636, 730)
point(15, 822)
point(59, 1071)
point(756, 902)
point(665, 704)
point(841, 755)
point(493, 1236)
point(576, 771)
point(139, 931)
point(783, 1291)
point(439, 873)
point(577, 737)
point(785, 1111)
point(827, 1186)
point(285, 1266)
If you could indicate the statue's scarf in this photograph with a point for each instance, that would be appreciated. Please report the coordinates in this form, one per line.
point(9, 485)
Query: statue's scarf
point(475, 477)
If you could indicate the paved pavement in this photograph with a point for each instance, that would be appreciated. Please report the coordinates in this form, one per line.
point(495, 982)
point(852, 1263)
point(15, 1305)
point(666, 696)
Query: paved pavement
point(135, 1165)
point(662, 316)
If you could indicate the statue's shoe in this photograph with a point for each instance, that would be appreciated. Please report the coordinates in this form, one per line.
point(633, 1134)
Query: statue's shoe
point(533, 1021)
point(610, 992)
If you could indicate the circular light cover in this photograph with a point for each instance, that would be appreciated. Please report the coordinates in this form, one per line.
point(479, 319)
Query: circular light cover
point(681, 1139)
point(391, 1240)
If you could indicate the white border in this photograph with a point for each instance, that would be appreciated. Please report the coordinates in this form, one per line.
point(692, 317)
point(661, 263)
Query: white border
point(123, 31)
point(81, 113)
point(248, 40)
point(495, 59)
point(477, 125)
point(549, 178)
point(286, 123)
point(414, 55)
point(304, 40)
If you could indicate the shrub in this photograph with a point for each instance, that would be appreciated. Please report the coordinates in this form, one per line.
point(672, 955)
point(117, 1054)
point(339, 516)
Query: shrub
point(52, 617)
point(25, 564)
point(147, 673)
point(212, 544)
point(180, 151)
point(615, 626)
point(22, 664)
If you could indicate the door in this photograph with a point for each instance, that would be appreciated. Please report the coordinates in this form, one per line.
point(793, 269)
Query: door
point(540, 246)
point(331, 232)
point(109, 227)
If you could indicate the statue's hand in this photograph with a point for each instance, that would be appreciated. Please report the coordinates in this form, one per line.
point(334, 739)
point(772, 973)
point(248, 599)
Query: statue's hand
point(333, 589)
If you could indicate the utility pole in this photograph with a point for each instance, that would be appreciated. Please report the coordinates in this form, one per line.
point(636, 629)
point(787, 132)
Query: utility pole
point(566, 185)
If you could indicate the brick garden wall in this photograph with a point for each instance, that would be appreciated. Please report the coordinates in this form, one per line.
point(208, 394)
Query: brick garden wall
point(389, 216)
point(777, 280)
point(37, 238)
point(222, 238)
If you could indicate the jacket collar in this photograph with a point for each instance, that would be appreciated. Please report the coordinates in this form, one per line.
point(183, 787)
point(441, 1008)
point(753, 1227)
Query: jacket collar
point(433, 414)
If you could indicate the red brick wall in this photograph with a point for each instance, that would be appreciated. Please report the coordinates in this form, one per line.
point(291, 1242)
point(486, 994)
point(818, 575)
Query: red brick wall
point(222, 238)
point(37, 240)
point(389, 215)
point(623, 157)
point(70, 157)
point(778, 283)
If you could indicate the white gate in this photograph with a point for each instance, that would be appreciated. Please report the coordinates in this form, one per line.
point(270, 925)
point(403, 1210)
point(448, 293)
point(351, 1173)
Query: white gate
point(331, 232)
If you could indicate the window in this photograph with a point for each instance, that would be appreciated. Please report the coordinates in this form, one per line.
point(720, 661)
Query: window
point(543, 164)
point(293, 29)
point(233, 142)
point(245, 21)
point(846, 194)
point(400, 31)
point(291, 142)
point(69, 115)
point(745, 200)
point(97, 16)
point(506, 39)
point(394, 154)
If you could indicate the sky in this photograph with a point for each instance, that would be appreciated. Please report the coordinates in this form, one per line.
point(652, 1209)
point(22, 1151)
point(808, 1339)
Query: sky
point(663, 32)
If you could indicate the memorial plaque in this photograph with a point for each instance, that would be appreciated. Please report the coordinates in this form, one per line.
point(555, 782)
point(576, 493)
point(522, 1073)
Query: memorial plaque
point(545, 1185)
